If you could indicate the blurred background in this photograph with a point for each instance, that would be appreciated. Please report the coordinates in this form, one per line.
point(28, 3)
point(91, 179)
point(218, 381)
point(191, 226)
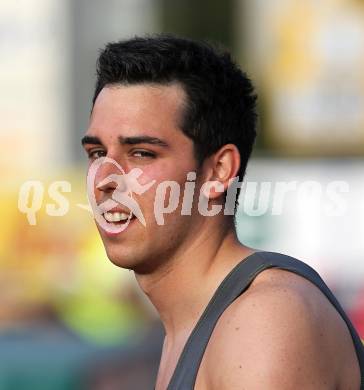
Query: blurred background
point(68, 318)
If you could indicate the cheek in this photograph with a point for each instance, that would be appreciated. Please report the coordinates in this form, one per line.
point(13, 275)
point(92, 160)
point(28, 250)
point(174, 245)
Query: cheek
point(161, 173)
point(148, 175)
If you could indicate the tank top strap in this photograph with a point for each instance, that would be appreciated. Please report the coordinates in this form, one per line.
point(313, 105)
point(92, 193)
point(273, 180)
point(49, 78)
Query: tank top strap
point(234, 284)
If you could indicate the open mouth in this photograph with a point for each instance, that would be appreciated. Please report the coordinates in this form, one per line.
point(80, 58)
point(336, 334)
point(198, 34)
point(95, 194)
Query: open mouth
point(117, 218)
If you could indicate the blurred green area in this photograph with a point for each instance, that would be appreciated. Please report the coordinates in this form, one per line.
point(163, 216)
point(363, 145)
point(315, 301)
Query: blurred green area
point(58, 268)
point(207, 20)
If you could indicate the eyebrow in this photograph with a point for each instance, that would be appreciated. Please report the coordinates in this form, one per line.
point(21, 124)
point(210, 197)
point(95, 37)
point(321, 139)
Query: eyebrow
point(143, 139)
point(90, 139)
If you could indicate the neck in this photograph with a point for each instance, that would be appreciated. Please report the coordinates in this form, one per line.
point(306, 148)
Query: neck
point(181, 289)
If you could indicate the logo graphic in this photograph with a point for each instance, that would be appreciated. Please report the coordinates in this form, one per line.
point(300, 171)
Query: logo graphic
point(122, 197)
point(118, 206)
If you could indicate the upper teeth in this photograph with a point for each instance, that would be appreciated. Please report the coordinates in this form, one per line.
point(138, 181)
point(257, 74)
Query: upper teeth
point(115, 216)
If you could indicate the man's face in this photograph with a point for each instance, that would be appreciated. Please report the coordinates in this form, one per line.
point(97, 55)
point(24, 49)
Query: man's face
point(138, 127)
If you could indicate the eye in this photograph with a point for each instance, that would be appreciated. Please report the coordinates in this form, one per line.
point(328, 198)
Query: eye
point(143, 154)
point(94, 154)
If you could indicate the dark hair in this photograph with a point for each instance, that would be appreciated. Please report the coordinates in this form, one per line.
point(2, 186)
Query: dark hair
point(221, 103)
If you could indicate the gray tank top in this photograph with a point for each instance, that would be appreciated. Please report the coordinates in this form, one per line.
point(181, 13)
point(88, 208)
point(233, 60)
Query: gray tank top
point(235, 283)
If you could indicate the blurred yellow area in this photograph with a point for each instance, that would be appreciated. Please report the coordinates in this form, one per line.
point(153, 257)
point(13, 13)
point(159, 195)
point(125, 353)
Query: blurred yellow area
point(58, 268)
point(310, 69)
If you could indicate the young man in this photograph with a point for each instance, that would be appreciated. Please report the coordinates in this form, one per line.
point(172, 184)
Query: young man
point(173, 122)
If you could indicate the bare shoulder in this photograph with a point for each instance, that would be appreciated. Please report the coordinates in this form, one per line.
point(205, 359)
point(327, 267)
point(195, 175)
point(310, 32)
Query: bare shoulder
point(281, 333)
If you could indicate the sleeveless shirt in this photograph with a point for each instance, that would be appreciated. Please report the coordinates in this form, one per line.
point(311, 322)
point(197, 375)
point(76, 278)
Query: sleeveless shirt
point(235, 283)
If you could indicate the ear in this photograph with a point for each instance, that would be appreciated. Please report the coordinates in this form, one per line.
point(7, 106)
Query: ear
point(221, 167)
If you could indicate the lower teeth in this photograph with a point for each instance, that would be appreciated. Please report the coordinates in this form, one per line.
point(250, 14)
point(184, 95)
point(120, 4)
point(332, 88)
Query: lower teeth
point(120, 222)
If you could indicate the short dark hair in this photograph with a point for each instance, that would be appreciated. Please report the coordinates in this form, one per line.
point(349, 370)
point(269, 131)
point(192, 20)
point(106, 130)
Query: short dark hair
point(221, 103)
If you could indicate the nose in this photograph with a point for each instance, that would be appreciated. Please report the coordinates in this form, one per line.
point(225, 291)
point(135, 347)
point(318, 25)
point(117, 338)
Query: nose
point(104, 171)
point(109, 178)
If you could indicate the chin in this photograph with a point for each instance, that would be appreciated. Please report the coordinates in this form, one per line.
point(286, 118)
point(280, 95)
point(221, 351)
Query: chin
point(122, 261)
point(134, 262)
